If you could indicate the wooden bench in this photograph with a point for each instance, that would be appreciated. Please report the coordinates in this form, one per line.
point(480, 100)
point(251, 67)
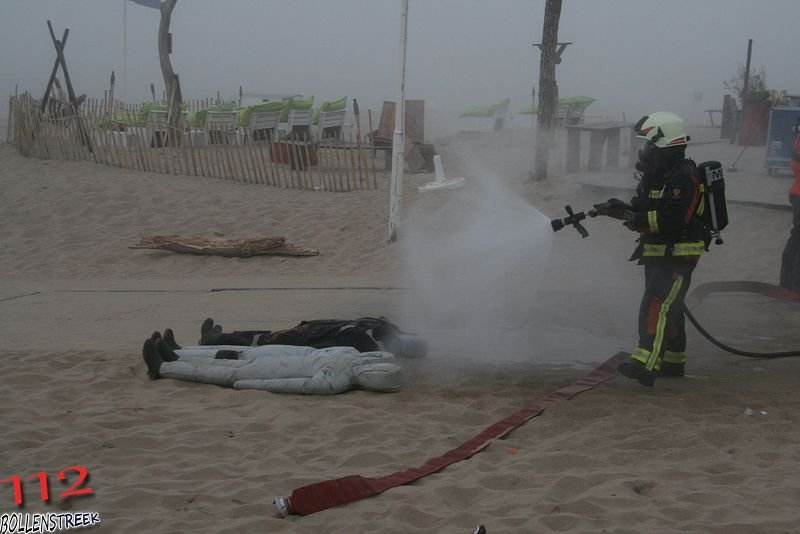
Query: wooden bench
point(711, 115)
point(382, 138)
point(600, 133)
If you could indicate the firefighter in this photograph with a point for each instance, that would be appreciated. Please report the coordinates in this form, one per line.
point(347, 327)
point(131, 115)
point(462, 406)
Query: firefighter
point(790, 262)
point(666, 213)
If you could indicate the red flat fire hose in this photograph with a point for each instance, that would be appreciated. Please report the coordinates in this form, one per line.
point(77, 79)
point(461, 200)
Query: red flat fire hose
point(329, 493)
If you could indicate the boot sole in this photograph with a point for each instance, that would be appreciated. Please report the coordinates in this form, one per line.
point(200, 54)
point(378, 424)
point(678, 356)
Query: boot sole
point(633, 372)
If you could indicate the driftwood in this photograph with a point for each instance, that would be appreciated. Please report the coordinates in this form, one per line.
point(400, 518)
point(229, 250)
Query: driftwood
point(229, 248)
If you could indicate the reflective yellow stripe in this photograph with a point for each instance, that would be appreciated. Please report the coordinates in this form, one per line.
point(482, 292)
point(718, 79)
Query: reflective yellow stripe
point(674, 357)
point(662, 324)
point(641, 355)
point(655, 193)
point(695, 248)
point(689, 249)
point(652, 221)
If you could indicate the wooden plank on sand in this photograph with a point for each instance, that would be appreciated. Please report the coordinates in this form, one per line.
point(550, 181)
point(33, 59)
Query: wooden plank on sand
point(229, 248)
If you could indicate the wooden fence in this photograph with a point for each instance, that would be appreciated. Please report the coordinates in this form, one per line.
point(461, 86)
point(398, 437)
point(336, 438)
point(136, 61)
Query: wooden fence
point(95, 133)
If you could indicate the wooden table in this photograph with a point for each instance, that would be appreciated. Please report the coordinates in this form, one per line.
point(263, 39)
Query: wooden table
point(600, 133)
point(711, 115)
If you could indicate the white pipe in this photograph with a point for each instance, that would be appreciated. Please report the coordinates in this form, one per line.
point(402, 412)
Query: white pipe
point(125, 51)
point(439, 169)
point(398, 143)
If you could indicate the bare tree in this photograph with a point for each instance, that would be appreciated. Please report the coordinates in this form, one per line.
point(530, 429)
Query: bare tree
point(171, 81)
point(548, 89)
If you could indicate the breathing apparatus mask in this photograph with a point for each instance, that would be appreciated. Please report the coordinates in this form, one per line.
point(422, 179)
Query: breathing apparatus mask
point(647, 158)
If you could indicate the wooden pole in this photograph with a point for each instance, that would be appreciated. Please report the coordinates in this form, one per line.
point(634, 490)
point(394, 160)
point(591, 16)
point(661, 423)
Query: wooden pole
point(358, 144)
point(322, 168)
point(339, 171)
point(735, 138)
point(309, 171)
point(331, 165)
point(72, 98)
point(274, 179)
point(227, 148)
point(110, 103)
point(372, 149)
point(258, 159)
point(250, 154)
point(10, 123)
point(746, 81)
point(112, 146)
point(54, 72)
point(242, 160)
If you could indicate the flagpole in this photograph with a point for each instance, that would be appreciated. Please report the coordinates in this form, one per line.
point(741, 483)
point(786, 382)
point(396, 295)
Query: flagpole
point(125, 51)
point(398, 139)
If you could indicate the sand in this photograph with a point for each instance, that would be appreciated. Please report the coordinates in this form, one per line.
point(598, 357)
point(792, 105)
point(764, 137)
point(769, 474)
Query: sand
point(169, 456)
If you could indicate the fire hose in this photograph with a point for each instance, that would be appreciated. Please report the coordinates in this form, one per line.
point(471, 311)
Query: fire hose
point(574, 219)
point(336, 492)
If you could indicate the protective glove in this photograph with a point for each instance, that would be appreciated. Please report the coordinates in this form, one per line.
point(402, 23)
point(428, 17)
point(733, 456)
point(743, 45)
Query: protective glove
point(613, 207)
point(629, 220)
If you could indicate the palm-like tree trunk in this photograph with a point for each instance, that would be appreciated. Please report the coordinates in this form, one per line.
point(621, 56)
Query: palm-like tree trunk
point(171, 82)
point(548, 89)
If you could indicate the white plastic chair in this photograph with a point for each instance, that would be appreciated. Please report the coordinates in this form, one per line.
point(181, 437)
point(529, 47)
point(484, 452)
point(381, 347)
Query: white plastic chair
point(332, 122)
point(263, 125)
point(220, 126)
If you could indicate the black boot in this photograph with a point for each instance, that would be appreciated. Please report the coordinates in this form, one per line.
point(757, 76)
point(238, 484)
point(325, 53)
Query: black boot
point(672, 369)
point(165, 352)
point(169, 337)
point(152, 359)
point(636, 369)
point(209, 332)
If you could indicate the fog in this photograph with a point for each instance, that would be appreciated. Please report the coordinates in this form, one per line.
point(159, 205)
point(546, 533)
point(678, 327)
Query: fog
point(633, 56)
point(477, 262)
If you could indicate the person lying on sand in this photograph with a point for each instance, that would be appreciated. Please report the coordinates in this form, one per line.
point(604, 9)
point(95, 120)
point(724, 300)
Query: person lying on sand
point(274, 368)
point(363, 334)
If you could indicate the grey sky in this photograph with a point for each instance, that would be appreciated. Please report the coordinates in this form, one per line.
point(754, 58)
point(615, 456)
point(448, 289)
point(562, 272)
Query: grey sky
point(634, 56)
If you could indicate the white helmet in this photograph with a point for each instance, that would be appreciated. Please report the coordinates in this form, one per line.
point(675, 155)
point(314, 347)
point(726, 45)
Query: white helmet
point(663, 129)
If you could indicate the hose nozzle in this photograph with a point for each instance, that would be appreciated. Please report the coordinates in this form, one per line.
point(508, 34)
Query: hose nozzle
point(573, 219)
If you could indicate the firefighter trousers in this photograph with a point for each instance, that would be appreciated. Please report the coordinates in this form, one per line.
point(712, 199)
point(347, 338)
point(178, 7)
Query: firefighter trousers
point(662, 330)
point(790, 261)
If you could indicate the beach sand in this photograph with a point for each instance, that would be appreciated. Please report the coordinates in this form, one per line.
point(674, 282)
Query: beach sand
point(511, 311)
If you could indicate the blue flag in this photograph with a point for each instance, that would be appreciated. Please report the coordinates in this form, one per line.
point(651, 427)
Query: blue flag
point(148, 3)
